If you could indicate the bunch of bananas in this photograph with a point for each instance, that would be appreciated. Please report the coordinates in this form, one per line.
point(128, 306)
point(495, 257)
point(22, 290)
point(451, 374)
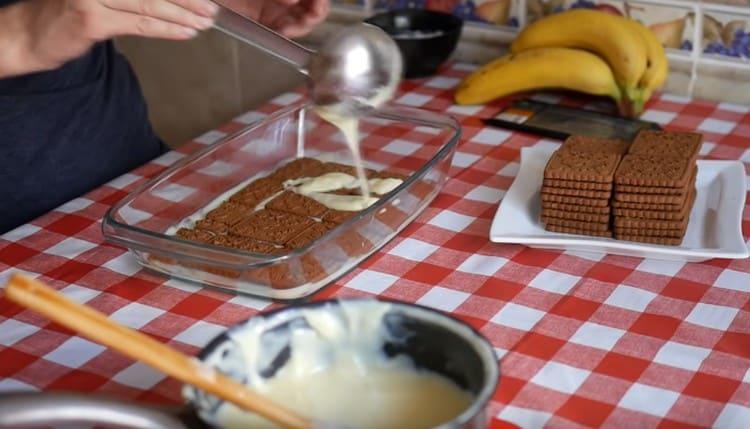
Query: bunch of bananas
point(582, 50)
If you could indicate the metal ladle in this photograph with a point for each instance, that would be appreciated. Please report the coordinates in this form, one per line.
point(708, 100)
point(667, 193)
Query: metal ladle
point(355, 70)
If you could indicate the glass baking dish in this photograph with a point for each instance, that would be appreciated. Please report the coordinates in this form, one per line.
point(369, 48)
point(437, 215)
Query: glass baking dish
point(407, 141)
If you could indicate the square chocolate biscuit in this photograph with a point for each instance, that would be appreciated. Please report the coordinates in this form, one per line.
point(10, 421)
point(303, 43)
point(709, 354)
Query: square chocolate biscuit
point(584, 166)
point(199, 235)
point(292, 202)
point(247, 244)
point(566, 230)
point(654, 170)
point(667, 143)
point(595, 144)
point(257, 191)
point(271, 226)
point(228, 213)
point(300, 167)
point(307, 236)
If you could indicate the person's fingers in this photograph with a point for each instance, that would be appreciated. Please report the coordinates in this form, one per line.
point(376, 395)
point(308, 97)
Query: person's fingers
point(302, 18)
point(133, 24)
point(162, 10)
point(201, 7)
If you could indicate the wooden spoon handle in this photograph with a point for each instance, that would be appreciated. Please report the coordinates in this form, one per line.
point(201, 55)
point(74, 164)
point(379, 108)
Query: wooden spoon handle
point(94, 325)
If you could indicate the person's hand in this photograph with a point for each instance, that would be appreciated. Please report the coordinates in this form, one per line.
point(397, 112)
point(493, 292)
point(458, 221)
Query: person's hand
point(44, 34)
point(292, 18)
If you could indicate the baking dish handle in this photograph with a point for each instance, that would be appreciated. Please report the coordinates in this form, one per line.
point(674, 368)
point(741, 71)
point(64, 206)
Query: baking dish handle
point(19, 410)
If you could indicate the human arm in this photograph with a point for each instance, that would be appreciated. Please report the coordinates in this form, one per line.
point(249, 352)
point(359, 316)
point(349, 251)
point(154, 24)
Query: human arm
point(38, 35)
point(292, 18)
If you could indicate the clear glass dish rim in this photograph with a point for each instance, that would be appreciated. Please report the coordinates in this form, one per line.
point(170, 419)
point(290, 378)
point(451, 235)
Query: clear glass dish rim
point(249, 260)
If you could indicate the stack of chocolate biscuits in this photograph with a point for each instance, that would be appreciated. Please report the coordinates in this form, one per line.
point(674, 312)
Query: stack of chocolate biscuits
point(577, 188)
point(655, 187)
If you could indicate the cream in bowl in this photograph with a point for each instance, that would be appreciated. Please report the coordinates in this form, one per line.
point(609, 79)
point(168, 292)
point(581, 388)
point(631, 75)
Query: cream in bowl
point(357, 363)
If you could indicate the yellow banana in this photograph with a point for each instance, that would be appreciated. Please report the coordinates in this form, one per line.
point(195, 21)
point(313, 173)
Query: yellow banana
point(563, 68)
point(604, 34)
point(657, 66)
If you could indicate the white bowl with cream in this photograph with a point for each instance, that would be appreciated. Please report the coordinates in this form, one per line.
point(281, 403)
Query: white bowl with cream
point(360, 363)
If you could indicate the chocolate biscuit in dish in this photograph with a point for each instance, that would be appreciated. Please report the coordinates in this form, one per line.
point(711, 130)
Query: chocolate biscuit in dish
point(270, 216)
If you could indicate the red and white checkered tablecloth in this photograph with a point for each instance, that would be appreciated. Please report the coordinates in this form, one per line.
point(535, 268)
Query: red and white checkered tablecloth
point(584, 339)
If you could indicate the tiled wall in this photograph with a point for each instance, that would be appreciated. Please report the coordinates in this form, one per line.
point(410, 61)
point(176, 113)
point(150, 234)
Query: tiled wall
point(698, 31)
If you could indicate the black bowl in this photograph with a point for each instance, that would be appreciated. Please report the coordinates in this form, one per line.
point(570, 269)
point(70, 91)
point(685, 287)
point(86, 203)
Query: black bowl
point(426, 38)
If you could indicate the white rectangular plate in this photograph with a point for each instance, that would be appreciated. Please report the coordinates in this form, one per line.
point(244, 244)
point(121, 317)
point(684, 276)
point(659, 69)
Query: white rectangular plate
point(714, 230)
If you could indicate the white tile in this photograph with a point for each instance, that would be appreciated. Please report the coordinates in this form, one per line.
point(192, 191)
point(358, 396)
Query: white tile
point(70, 248)
point(168, 158)
point(183, 285)
point(442, 82)
point(554, 281)
point(250, 117)
point(414, 250)
point(482, 264)
point(510, 170)
point(173, 192)
point(681, 355)
point(451, 220)
point(462, 159)
point(591, 256)
point(286, 99)
point(75, 205)
point(210, 137)
point(13, 331)
point(200, 334)
point(560, 377)
point(6, 274)
point(548, 144)
point(139, 376)
point(630, 298)
point(251, 302)
point(735, 280)
point(500, 352)
point(218, 169)
point(133, 216)
point(74, 352)
point(518, 316)
point(428, 130)
point(490, 136)
point(666, 268)
point(443, 299)
point(401, 147)
point(731, 107)
point(524, 417)
point(485, 194)
point(706, 148)
point(712, 316)
point(681, 99)
point(372, 281)
point(597, 336)
point(412, 99)
point(465, 110)
point(733, 416)
point(717, 126)
point(125, 264)
point(9, 385)
point(21, 232)
point(136, 315)
point(80, 294)
point(123, 181)
point(465, 66)
point(658, 116)
point(648, 399)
